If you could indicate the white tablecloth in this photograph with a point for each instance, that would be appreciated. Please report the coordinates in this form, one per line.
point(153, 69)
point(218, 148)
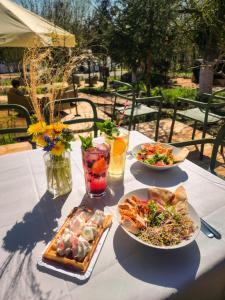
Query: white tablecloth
point(125, 269)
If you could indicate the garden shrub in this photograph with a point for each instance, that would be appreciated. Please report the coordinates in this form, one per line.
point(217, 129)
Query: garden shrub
point(170, 95)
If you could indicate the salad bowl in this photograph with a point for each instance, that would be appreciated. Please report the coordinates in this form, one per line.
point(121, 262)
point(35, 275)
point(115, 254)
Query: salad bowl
point(177, 153)
point(143, 194)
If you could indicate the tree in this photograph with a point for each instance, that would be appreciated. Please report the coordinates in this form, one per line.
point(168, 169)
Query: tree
point(100, 21)
point(204, 24)
point(12, 58)
point(141, 32)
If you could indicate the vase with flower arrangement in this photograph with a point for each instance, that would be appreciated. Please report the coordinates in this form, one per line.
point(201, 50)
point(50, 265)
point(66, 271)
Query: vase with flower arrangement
point(55, 140)
point(41, 67)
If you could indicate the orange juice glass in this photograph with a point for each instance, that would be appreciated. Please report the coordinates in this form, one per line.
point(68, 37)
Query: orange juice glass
point(119, 145)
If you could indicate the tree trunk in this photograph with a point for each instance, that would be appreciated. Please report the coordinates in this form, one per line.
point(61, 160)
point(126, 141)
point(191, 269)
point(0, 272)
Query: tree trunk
point(148, 72)
point(206, 79)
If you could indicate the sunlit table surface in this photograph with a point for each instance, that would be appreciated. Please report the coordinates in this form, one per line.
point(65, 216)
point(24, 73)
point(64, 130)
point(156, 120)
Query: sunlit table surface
point(125, 269)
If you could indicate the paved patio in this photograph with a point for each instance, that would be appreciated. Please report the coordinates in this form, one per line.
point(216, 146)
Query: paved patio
point(182, 131)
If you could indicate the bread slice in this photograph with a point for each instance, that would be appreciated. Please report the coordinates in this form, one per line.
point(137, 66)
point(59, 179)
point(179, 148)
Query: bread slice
point(51, 253)
point(181, 155)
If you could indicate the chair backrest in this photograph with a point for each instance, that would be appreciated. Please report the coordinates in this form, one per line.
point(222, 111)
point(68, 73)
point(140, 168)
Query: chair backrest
point(216, 102)
point(118, 84)
point(218, 141)
point(22, 111)
point(123, 95)
point(216, 94)
point(135, 100)
point(61, 102)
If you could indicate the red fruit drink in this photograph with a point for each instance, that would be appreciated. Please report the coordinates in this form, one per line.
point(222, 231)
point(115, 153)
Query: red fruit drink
point(96, 163)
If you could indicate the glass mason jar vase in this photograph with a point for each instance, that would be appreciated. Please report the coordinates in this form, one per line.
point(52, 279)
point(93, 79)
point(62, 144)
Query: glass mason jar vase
point(58, 172)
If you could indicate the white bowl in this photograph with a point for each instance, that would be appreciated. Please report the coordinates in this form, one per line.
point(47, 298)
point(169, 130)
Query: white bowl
point(137, 148)
point(143, 194)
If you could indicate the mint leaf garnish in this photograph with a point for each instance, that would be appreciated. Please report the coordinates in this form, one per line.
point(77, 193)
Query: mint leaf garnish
point(108, 127)
point(86, 142)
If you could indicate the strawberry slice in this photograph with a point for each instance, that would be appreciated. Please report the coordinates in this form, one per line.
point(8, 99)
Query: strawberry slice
point(99, 166)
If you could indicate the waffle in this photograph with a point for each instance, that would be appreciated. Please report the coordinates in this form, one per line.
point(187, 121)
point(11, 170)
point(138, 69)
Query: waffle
point(51, 254)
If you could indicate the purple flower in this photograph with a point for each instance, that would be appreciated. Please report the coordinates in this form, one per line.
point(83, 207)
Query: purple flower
point(49, 147)
point(47, 138)
point(50, 143)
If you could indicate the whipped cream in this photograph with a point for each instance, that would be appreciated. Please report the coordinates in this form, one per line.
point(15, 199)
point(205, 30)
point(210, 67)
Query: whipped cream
point(82, 229)
point(69, 243)
point(64, 243)
point(97, 218)
point(78, 221)
point(82, 248)
point(89, 232)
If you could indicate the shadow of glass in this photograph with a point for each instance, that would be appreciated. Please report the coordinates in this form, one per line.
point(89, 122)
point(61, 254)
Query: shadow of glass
point(166, 178)
point(94, 203)
point(115, 190)
point(167, 268)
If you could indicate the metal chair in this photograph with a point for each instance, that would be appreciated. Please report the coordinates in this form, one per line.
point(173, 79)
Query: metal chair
point(137, 109)
point(24, 113)
point(219, 140)
point(75, 101)
point(199, 113)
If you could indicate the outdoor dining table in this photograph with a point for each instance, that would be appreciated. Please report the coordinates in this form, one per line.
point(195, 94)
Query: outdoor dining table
point(125, 269)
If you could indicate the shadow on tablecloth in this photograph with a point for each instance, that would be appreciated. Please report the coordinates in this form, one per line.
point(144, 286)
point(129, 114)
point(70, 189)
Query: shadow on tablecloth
point(114, 191)
point(20, 240)
point(174, 268)
point(166, 178)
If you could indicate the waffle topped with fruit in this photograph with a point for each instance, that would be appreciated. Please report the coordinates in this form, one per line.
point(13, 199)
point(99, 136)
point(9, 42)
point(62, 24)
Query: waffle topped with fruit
point(76, 241)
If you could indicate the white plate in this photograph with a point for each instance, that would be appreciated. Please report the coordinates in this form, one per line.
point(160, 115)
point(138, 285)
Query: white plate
point(143, 194)
point(158, 168)
point(47, 264)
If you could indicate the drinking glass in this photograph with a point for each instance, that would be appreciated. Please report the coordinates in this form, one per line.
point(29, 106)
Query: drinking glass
point(96, 163)
point(119, 145)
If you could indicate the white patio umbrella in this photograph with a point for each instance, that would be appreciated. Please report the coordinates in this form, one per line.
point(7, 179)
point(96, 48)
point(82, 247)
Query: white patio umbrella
point(20, 27)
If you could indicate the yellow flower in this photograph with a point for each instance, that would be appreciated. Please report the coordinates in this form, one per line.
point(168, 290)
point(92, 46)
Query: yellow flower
point(58, 149)
point(37, 128)
point(58, 127)
point(40, 141)
point(49, 129)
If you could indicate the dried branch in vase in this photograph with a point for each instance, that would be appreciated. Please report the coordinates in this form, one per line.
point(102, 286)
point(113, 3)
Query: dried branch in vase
point(48, 70)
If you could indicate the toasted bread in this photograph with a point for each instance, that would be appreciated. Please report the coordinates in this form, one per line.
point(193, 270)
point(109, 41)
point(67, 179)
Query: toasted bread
point(181, 155)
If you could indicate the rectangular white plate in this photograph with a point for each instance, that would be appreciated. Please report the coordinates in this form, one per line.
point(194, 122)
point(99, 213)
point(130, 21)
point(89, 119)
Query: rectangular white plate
point(81, 276)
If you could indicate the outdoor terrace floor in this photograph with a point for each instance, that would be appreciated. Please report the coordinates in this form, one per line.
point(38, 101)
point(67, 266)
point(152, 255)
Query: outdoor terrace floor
point(182, 132)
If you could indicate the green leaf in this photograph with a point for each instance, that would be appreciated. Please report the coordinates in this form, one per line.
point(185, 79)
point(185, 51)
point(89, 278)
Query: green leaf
point(152, 211)
point(100, 126)
point(159, 219)
point(108, 127)
point(86, 142)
